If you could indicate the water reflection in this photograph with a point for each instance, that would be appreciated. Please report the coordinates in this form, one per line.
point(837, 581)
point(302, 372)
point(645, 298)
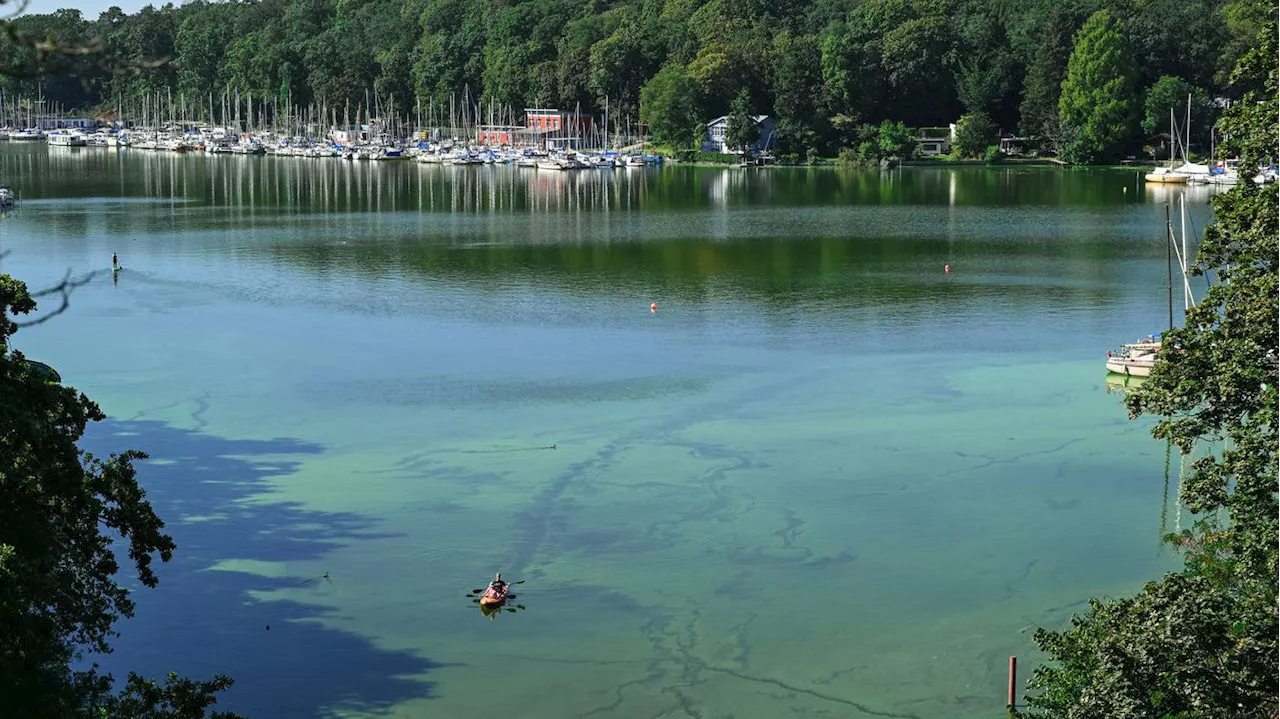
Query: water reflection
point(308, 185)
point(1161, 193)
point(1123, 384)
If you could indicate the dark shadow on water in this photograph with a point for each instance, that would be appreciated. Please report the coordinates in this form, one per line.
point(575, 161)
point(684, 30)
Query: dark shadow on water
point(214, 495)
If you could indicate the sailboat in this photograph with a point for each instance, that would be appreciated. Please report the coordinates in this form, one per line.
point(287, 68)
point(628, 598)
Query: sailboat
point(1137, 359)
point(1186, 172)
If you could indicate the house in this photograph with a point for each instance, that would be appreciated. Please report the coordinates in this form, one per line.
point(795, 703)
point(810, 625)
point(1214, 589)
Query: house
point(66, 123)
point(715, 139)
point(933, 141)
point(1014, 144)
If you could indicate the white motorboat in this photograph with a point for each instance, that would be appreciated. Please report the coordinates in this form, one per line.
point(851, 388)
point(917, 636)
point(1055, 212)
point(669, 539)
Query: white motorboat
point(66, 138)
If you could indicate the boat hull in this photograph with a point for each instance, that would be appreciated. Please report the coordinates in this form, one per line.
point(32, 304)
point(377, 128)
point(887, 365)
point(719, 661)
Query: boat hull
point(1166, 178)
point(1128, 367)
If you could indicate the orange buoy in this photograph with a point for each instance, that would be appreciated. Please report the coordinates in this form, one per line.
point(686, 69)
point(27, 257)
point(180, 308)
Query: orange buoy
point(653, 307)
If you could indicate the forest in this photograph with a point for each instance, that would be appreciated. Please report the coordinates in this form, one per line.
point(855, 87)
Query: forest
point(1090, 80)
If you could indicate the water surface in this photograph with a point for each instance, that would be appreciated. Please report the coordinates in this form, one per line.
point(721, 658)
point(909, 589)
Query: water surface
point(825, 477)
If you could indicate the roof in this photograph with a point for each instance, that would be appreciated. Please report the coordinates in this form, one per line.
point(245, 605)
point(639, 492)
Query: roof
point(725, 118)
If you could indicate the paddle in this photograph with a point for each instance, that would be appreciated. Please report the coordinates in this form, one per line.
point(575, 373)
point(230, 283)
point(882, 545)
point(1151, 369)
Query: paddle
point(510, 584)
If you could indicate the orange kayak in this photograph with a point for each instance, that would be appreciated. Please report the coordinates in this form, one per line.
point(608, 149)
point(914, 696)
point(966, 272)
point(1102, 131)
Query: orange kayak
point(491, 598)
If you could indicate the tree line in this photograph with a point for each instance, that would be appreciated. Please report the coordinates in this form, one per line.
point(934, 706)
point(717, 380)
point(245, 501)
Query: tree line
point(1090, 79)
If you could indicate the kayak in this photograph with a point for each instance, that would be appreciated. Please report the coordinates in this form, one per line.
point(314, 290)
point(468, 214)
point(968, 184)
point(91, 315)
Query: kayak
point(494, 600)
point(490, 598)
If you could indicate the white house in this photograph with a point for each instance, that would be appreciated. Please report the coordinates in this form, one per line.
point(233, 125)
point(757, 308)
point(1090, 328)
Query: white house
point(715, 140)
point(931, 141)
point(68, 123)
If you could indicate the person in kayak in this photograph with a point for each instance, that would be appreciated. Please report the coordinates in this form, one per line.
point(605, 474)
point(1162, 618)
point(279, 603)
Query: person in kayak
point(497, 593)
point(497, 588)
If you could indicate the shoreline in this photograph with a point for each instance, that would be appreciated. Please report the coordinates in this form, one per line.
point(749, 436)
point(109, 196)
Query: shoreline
point(833, 165)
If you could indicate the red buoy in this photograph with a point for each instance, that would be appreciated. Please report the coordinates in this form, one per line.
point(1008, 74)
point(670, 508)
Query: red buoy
point(653, 307)
point(946, 268)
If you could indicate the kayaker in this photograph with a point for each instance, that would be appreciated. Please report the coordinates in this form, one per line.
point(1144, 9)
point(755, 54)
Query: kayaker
point(115, 263)
point(497, 588)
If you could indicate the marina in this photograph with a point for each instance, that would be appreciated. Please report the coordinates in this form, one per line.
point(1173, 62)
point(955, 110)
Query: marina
point(550, 139)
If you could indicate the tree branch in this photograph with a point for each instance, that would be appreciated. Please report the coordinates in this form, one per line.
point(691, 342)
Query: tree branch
point(64, 289)
point(53, 57)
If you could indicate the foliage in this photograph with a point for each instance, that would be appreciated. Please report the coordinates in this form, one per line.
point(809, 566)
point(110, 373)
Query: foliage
point(1097, 107)
point(920, 62)
point(666, 104)
point(1201, 642)
point(799, 119)
point(1038, 112)
point(863, 146)
point(177, 698)
point(992, 154)
point(1205, 655)
point(1171, 93)
point(974, 133)
point(64, 510)
point(896, 140)
point(740, 128)
point(716, 158)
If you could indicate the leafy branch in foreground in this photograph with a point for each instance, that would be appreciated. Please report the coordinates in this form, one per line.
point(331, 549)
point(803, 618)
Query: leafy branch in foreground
point(66, 512)
point(1201, 642)
point(47, 56)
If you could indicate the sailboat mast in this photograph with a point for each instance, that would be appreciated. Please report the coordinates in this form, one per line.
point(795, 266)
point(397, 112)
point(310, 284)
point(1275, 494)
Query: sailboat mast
point(1186, 259)
point(1187, 147)
point(1168, 257)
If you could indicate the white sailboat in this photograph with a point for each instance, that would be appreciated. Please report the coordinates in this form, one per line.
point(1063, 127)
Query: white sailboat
point(1187, 171)
point(1138, 359)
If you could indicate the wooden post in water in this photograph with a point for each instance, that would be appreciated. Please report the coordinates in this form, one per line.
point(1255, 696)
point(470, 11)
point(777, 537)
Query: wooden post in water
point(1013, 683)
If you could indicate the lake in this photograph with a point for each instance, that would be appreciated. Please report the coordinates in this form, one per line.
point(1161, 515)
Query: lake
point(825, 477)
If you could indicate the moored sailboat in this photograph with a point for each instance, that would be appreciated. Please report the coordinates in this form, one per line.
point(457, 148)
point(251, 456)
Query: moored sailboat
point(1138, 359)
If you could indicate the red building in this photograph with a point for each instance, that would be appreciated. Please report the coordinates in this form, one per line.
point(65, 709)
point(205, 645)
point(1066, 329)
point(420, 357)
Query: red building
point(509, 135)
point(550, 121)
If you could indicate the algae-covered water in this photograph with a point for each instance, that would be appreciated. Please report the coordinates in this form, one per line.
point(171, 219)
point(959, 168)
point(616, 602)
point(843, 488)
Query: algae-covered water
point(824, 478)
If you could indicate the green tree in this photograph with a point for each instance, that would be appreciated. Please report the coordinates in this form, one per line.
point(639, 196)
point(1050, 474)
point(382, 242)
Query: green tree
point(986, 68)
point(1201, 642)
point(1047, 68)
point(799, 120)
point(922, 62)
point(974, 133)
point(891, 59)
point(1183, 38)
point(1097, 107)
point(201, 45)
point(619, 66)
point(667, 107)
point(740, 128)
point(896, 140)
point(64, 511)
point(1171, 93)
